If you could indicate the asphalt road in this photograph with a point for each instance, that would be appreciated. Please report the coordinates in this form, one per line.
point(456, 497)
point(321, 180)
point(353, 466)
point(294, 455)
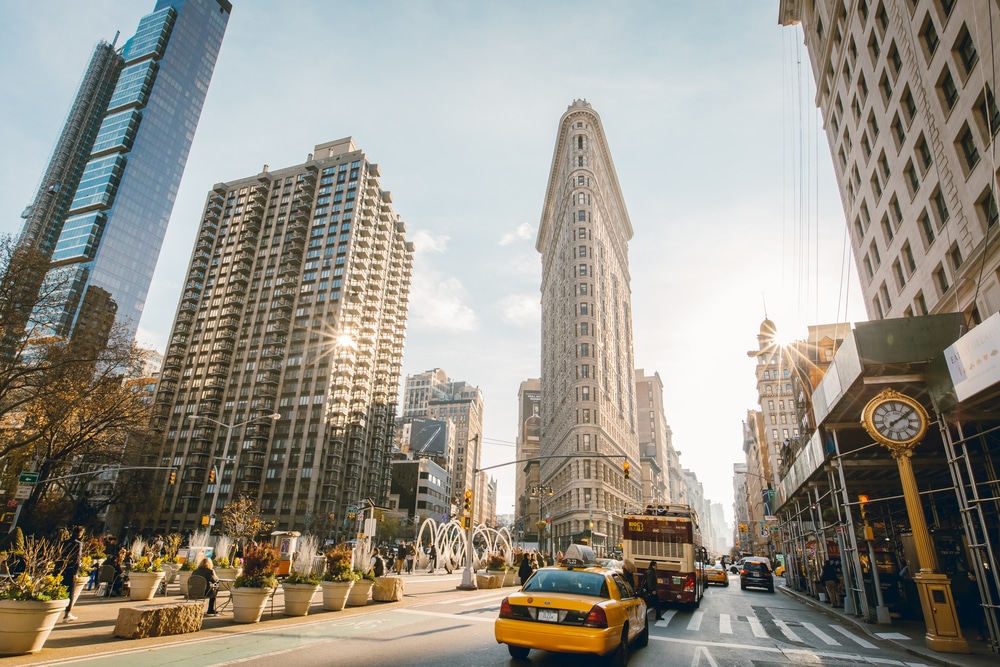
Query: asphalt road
point(455, 628)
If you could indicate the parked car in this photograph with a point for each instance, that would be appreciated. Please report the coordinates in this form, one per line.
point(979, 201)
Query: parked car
point(757, 573)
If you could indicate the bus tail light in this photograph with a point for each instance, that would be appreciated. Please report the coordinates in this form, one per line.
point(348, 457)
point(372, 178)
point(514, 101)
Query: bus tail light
point(689, 584)
point(595, 619)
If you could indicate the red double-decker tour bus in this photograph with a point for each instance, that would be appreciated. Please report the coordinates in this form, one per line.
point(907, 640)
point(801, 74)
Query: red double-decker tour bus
point(670, 535)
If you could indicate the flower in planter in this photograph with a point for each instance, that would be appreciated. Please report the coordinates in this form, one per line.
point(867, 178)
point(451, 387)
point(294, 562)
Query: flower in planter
point(338, 565)
point(30, 564)
point(260, 562)
point(496, 562)
point(147, 564)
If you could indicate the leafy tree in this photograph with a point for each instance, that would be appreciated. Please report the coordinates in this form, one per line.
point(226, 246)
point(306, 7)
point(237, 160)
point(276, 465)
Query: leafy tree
point(241, 520)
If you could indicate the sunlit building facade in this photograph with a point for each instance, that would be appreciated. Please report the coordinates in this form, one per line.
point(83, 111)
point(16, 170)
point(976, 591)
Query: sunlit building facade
point(587, 384)
point(104, 201)
point(907, 91)
point(283, 367)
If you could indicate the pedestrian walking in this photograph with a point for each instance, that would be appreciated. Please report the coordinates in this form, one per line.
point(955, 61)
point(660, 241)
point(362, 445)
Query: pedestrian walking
point(828, 577)
point(400, 557)
point(432, 556)
point(72, 556)
point(411, 555)
point(526, 568)
point(651, 585)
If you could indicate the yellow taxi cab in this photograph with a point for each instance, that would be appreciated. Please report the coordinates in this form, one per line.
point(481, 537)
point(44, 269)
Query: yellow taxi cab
point(575, 607)
point(715, 574)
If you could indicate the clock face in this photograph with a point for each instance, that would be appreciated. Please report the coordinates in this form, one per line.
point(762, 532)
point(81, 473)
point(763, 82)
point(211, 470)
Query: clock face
point(897, 421)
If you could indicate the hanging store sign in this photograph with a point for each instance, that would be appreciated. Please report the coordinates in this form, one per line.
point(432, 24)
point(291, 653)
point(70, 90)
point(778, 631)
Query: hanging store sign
point(974, 359)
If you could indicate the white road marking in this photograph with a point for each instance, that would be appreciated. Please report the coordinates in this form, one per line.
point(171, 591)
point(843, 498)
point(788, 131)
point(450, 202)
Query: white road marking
point(437, 614)
point(667, 616)
point(725, 624)
point(863, 643)
point(695, 622)
point(788, 632)
point(827, 639)
point(758, 629)
point(891, 635)
point(700, 651)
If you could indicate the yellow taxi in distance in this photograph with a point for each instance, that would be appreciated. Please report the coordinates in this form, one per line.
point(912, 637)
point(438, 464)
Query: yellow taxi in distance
point(575, 607)
point(715, 574)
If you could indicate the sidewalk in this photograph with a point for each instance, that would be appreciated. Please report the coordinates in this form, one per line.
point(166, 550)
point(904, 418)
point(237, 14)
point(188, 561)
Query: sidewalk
point(909, 636)
point(92, 634)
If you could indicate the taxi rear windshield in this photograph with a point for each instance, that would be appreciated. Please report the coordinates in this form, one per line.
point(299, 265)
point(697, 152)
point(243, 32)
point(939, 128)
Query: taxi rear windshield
point(571, 582)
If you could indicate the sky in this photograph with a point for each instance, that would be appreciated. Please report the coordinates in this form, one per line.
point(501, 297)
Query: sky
point(708, 110)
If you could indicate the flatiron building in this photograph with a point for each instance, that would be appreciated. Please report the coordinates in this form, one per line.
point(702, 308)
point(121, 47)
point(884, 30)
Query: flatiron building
point(588, 406)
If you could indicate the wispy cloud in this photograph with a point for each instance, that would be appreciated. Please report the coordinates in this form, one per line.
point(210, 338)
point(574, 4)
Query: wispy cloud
point(437, 301)
point(521, 310)
point(523, 232)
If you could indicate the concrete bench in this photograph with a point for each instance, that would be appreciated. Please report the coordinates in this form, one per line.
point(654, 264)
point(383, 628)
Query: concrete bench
point(159, 620)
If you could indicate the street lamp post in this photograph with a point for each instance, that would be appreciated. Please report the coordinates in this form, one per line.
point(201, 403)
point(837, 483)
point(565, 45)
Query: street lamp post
point(539, 490)
point(225, 454)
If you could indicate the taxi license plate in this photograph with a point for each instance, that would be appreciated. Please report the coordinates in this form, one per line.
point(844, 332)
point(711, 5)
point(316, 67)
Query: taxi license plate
point(548, 615)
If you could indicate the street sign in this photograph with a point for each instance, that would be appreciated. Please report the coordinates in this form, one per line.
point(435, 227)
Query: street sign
point(28, 477)
point(770, 517)
point(23, 492)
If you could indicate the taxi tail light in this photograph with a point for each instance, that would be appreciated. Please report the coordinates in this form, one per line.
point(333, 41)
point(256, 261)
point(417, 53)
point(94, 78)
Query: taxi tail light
point(505, 610)
point(689, 584)
point(595, 619)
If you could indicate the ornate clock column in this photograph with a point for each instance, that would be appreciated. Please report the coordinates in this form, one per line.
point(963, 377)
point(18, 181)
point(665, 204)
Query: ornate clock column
point(943, 631)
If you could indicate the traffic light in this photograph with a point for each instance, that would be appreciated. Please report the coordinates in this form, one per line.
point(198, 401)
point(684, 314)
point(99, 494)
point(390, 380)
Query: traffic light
point(173, 477)
point(211, 476)
point(863, 508)
point(468, 500)
point(626, 469)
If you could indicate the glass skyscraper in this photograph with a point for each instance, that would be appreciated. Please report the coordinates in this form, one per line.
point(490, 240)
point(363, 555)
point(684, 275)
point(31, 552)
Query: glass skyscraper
point(102, 209)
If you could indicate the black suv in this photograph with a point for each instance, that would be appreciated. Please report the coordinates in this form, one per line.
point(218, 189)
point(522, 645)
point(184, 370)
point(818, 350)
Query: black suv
point(756, 573)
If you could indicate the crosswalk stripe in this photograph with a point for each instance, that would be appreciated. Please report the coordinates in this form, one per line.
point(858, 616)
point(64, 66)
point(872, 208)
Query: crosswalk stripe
point(725, 624)
point(758, 629)
point(827, 639)
point(695, 622)
point(853, 637)
point(667, 616)
point(788, 632)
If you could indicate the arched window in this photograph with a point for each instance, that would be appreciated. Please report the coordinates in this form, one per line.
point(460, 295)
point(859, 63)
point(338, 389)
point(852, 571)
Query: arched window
point(579, 142)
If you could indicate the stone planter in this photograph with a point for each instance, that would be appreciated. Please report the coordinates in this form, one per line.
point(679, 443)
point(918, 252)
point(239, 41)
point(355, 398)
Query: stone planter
point(26, 624)
point(335, 594)
point(182, 580)
point(228, 572)
point(510, 578)
point(358, 597)
point(143, 585)
point(298, 598)
point(249, 603)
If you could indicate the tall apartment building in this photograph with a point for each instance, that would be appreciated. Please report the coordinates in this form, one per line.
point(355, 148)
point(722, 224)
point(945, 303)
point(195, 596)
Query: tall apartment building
point(654, 438)
point(907, 91)
point(432, 394)
point(101, 210)
point(295, 305)
point(588, 387)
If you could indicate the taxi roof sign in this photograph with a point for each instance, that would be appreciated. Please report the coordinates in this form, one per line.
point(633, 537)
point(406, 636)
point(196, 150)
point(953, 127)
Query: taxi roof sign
point(578, 555)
